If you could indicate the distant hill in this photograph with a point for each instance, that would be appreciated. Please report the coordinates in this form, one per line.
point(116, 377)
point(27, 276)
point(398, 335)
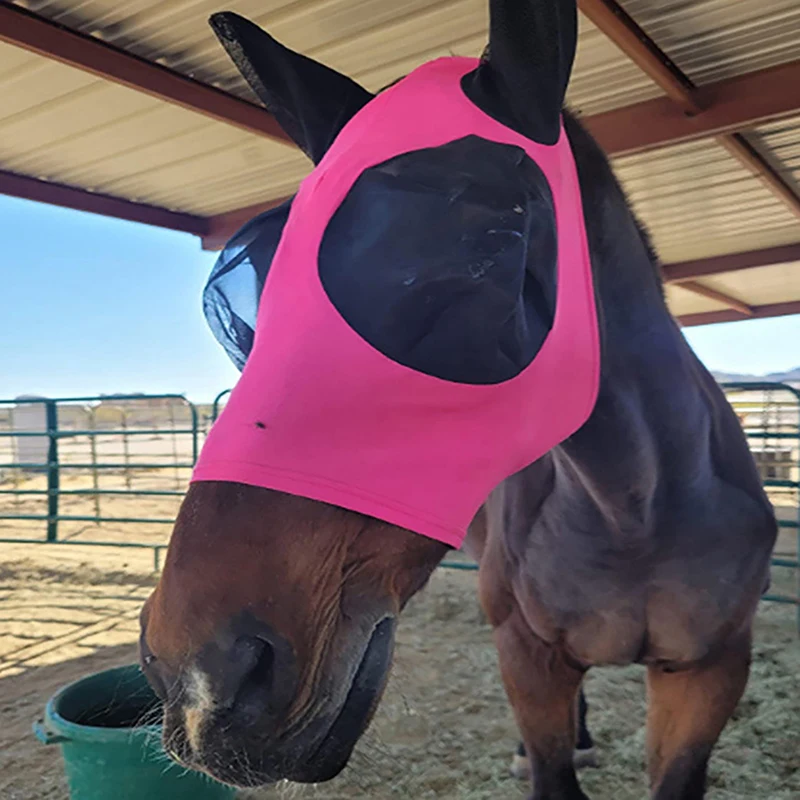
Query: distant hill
point(790, 376)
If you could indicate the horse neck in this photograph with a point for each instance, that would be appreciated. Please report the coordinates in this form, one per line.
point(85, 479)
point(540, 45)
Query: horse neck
point(653, 404)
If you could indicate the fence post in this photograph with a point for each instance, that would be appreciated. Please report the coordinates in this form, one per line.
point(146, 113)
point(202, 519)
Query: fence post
point(216, 404)
point(126, 452)
point(93, 453)
point(51, 413)
point(16, 479)
point(175, 457)
point(195, 430)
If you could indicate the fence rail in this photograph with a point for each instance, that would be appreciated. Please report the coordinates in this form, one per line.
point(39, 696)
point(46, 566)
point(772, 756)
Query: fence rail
point(771, 423)
point(50, 444)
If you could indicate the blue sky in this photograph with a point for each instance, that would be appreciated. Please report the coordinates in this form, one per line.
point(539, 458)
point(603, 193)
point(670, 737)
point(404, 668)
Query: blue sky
point(91, 305)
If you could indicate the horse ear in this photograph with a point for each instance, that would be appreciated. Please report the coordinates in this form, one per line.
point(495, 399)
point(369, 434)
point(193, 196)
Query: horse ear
point(524, 72)
point(310, 101)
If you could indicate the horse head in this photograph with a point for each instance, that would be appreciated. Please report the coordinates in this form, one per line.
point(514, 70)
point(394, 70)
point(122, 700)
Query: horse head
point(360, 440)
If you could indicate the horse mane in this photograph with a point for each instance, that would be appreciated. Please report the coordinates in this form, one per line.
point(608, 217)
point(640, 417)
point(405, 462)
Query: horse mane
point(599, 184)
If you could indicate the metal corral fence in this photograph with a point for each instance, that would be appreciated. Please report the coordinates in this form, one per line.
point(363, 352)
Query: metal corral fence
point(64, 462)
point(78, 468)
point(770, 416)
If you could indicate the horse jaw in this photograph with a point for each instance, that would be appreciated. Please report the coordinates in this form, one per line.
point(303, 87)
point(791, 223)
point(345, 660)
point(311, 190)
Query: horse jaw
point(270, 633)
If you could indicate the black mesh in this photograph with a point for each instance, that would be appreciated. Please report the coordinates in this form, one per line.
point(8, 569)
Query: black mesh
point(444, 259)
point(230, 298)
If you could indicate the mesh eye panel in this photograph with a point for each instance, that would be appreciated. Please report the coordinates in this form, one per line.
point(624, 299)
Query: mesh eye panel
point(231, 295)
point(444, 260)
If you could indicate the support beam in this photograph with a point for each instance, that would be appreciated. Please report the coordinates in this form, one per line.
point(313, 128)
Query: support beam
point(612, 20)
point(719, 297)
point(734, 104)
point(749, 157)
point(759, 312)
point(38, 35)
point(221, 227)
point(59, 194)
point(615, 23)
point(733, 262)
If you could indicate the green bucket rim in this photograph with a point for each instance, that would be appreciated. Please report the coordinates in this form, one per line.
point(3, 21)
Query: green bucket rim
point(75, 731)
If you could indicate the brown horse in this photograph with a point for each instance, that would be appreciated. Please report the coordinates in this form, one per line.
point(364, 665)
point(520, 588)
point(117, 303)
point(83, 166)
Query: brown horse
point(644, 538)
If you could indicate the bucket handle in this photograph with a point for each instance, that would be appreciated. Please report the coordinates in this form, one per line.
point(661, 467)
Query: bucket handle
point(45, 735)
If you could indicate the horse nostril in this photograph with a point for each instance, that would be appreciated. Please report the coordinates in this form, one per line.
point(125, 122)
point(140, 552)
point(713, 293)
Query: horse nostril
point(261, 675)
point(251, 675)
point(256, 676)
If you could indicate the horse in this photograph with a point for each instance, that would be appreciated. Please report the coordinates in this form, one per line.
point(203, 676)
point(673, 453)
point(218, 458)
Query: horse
point(642, 536)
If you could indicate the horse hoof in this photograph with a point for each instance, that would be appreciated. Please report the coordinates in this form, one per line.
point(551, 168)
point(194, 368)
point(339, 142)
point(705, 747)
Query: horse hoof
point(585, 758)
point(521, 766)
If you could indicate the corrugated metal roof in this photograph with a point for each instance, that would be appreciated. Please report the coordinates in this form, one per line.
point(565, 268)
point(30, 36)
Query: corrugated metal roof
point(373, 41)
point(774, 284)
point(698, 201)
point(65, 125)
point(682, 301)
point(715, 39)
point(778, 283)
point(782, 141)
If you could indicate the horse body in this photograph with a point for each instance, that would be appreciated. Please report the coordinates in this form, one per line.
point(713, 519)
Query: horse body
point(644, 537)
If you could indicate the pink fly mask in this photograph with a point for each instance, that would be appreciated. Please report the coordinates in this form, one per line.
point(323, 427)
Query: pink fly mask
point(426, 325)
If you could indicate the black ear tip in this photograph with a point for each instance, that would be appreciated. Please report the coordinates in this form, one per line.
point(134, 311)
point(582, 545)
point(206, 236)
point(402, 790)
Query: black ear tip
point(220, 22)
point(233, 28)
point(225, 22)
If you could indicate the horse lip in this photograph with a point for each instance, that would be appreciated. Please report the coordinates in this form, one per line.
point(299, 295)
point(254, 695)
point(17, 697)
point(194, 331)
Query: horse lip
point(256, 781)
point(355, 712)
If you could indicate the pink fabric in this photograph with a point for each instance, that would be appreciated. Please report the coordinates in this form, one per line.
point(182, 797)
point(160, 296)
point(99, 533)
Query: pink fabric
point(318, 412)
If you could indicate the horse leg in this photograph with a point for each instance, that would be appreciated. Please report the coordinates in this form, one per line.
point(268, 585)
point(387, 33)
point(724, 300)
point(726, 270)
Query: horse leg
point(584, 747)
point(687, 711)
point(542, 687)
point(584, 755)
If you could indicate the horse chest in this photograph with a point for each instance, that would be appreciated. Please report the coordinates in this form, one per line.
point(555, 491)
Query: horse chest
point(617, 587)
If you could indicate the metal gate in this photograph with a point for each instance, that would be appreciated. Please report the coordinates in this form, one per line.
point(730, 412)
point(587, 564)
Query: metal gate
point(770, 416)
point(67, 464)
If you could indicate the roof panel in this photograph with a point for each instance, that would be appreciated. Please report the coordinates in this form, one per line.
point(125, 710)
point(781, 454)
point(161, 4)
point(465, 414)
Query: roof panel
point(14, 61)
point(774, 284)
point(66, 125)
point(604, 77)
point(681, 301)
point(697, 201)
point(782, 141)
point(44, 126)
point(112, 139)
point(217, 181)
point(364, 38)
point(34, 81)
point(715, 39)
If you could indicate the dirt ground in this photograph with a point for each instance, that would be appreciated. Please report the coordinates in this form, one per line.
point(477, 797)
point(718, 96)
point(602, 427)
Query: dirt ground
point(443, 730)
